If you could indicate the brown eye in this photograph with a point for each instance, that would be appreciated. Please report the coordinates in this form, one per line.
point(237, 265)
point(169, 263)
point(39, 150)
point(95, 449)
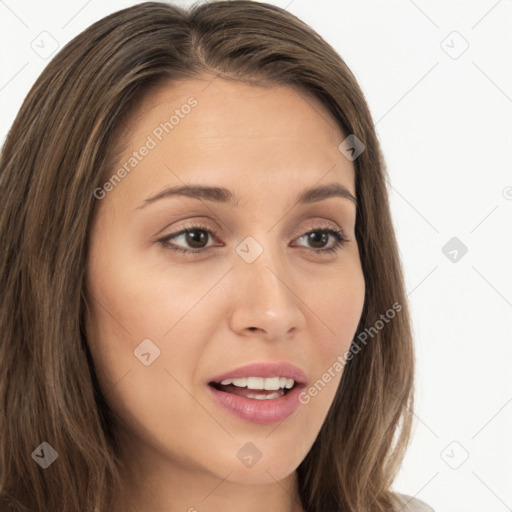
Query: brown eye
point(318, 238)
point(194, 238)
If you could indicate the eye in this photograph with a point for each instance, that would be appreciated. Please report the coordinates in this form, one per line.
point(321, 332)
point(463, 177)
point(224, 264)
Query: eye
point(312, 236)
point(196, 236)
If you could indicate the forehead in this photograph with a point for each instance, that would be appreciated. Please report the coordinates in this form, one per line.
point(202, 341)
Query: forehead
point(230, 102)
point(220, 131)
point(236, 110)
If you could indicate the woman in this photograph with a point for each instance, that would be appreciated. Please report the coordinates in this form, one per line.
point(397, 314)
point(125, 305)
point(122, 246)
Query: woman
point(203, 306)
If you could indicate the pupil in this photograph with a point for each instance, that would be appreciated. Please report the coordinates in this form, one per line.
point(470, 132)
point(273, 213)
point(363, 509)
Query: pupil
point(192, 240)
point(314, 238)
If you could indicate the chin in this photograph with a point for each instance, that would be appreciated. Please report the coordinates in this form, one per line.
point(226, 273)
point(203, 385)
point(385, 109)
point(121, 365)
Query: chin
point(258, 462)
point(260, 475)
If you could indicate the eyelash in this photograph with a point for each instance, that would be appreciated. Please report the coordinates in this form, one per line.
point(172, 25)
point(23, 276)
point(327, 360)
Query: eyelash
point(339, 237)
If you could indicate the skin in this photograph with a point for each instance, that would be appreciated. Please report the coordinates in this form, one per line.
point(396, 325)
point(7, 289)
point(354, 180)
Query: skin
point(213, 312)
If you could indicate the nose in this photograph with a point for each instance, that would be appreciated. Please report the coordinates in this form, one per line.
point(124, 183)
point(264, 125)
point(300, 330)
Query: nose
point(265, 300)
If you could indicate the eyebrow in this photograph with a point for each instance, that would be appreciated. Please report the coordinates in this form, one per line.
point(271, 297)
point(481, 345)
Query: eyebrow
point(224, 195)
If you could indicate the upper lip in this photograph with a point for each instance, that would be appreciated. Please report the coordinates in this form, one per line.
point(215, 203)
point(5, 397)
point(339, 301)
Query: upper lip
point(262, 369)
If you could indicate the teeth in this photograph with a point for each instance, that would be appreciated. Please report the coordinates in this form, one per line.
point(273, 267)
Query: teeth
point(270, 383)
point(278, 394)
point(256, 382)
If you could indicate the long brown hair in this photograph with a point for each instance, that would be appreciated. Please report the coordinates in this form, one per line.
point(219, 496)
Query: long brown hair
point(53, 159)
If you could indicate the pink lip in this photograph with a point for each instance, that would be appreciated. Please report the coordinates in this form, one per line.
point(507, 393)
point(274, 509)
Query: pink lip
point(264, 370)
point(261, 411)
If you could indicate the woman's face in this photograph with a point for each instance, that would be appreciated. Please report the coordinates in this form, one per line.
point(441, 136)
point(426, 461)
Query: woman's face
point(251, 287)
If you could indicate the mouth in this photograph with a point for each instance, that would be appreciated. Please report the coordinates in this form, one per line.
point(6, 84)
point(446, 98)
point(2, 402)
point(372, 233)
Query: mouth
point(260, 392)
point(256, 388)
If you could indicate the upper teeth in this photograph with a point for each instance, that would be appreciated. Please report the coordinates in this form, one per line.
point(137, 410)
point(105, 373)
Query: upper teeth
point(271, 383)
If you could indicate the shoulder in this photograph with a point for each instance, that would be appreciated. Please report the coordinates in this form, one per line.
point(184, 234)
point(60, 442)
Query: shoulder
point(410, 504)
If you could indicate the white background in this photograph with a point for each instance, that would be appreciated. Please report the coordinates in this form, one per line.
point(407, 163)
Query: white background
point(445, 127)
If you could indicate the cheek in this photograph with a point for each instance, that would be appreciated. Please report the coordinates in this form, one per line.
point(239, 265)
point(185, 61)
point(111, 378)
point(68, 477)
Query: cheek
point(132, 301)
point(339, 306)
point(145, 291)
point(336, 312)
point(129, 305)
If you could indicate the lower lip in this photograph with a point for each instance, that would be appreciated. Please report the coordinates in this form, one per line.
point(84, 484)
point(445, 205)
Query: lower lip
point(259, 411)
